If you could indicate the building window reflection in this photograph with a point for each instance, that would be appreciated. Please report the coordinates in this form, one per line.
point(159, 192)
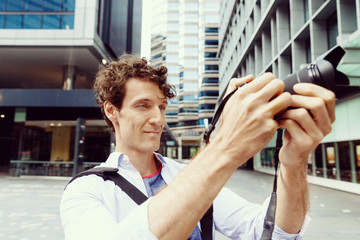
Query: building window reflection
point(334, 160)
point(32, 22)
point(51, 22)
point(49, 14)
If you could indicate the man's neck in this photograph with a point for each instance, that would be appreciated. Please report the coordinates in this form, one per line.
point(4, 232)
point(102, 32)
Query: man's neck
point(144, 162)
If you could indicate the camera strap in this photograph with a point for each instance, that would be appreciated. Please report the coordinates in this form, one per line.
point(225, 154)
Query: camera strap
point(269, 220)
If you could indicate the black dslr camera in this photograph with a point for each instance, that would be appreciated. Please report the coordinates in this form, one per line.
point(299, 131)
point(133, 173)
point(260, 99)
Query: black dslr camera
point(324, 73)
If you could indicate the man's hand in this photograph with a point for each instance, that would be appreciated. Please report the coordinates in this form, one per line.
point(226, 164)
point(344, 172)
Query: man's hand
point(307, 123)
point(248, 117)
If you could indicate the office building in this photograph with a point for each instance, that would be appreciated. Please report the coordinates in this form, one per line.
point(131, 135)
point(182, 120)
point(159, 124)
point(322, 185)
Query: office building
point(184, 39)
point(50, 52)
point(282, 37)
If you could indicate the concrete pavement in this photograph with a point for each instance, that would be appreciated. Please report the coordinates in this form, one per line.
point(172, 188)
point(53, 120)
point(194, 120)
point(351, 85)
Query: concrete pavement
point(29, 207)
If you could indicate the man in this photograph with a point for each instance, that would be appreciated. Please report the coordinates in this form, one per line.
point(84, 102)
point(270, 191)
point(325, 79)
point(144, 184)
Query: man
point(133, 98)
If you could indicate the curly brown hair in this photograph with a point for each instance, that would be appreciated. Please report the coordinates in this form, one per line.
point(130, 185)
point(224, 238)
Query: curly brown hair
point(111, 79)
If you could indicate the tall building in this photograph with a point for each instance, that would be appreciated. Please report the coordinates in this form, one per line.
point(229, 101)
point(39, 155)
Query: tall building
point(50, 51)
point(184, 39)
point(208, 61)
point(282, 37)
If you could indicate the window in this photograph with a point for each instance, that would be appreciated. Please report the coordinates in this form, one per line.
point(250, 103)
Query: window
point(14, 21)
point(37, 14)
point(68, 6)
point(34, 5)
point(210, 55)
point(330, 155)
point(210, 80)
point(2, 21)
point(2, 5)
point(319, 161)
point(267, 157)
point(15, 5)
point(211, 67)
point(32, 21)
point(67, 22)
point(210, 93)
point(156, 57)
point(211, 30)
point(207, 106)
point(332, 29)
point(356, 152)
point(306, 10)
point(51, 22)
point(211, 42)
point(50, 5)
point(188, 110)
point(188, 98)
point(308, 50)
point(344, 161)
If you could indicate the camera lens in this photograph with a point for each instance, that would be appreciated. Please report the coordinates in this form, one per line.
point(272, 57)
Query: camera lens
point(322, 73)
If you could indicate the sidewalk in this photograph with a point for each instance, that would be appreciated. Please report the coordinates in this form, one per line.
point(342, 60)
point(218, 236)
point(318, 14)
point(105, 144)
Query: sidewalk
point(29, 207)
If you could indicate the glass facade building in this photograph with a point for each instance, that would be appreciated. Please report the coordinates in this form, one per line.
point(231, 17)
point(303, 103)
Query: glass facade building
point(37, 14)
point(50, 51)
point(184, 39)
point(283, 37)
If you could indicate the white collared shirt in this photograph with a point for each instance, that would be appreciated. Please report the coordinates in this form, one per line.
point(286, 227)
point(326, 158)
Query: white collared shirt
point(92, 208)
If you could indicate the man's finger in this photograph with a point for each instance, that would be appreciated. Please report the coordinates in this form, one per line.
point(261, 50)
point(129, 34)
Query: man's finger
point(312, 90)
point(236, 82)
point(259, 82)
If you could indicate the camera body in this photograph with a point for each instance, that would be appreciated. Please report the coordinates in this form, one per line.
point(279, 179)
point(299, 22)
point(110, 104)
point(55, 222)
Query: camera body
point(324, 73)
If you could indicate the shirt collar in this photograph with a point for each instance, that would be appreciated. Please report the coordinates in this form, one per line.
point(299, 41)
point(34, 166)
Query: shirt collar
point(117, 159)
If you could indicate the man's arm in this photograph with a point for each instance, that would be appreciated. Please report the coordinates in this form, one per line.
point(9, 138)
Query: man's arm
point(248, 125)
point(306, 125)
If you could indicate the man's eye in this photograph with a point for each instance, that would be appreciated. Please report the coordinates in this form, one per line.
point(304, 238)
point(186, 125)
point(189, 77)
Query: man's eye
point(142, 106)
point(163, 108)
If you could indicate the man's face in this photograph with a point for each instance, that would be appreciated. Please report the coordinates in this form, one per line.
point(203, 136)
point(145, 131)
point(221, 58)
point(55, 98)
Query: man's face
point(142, 117)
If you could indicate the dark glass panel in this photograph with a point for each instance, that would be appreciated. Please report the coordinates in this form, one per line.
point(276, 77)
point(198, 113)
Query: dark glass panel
point(356, 152)
point(14, 21)
point(51, 22)
point(344, 160)
point(68, 5)
point(330, 153)
point(52, 5)
point(332, 30)
point(33, 5)
point(2, 5)
point(2, 20)
point(67, 22)
point(32, 21)
point(319, 171)
point(17, 5)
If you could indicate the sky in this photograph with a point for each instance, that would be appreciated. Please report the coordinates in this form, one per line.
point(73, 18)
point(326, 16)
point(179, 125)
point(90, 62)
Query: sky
point(146, 27)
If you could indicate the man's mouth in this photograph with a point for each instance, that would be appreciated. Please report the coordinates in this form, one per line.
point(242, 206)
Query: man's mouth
point(153, 132)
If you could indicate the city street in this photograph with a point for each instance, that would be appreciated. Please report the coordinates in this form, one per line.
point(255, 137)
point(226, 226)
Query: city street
point(29, 207)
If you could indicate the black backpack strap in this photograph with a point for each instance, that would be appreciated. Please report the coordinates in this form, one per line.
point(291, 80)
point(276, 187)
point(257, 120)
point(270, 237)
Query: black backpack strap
point(206, 224)
point(111, 174)
point(98, 171)
point(127, 187)
point(135, 194)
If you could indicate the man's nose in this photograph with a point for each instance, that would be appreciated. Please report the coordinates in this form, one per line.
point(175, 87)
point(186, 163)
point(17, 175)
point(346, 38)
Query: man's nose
point(157, 117)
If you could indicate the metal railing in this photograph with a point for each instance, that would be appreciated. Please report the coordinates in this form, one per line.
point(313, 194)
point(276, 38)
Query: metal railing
point(45, 168)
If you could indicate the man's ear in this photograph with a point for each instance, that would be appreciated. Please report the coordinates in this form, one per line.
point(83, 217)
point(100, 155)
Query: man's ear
point(110, 111)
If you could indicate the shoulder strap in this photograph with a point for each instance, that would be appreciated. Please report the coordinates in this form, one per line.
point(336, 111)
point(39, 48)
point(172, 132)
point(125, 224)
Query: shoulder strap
point(135, 194)
point(111, 174)
point(206, 223)
point(127, 187)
